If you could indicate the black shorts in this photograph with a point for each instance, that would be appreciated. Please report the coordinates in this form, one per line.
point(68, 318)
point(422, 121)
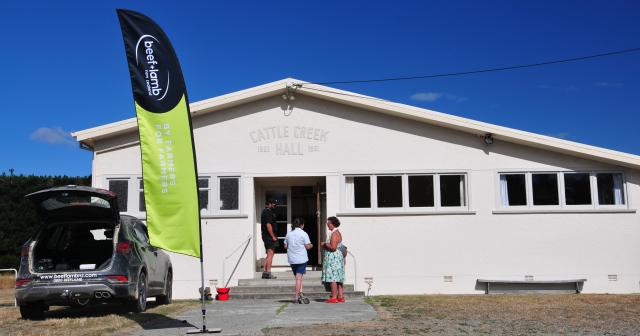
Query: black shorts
point(270, 244)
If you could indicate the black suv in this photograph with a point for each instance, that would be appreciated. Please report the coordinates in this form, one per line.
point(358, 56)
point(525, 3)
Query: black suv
point(85, 253)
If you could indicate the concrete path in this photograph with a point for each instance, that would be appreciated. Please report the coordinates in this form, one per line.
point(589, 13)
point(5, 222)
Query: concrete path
point(249, 317)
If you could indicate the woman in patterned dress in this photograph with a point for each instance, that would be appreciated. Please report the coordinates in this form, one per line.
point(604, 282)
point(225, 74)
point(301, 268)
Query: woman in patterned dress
point(333, 262)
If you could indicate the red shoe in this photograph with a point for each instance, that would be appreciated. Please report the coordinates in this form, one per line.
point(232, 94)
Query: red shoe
point(340, 299)
point(332, 300)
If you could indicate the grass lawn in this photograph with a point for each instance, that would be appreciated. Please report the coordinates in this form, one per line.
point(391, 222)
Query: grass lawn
point(98, 320)
point(566, 314)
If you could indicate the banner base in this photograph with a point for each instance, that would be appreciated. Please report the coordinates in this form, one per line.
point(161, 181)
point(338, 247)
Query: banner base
point(204, 330)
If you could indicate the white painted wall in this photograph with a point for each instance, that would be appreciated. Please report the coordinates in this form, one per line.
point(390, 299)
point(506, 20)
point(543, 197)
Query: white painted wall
point(403, 253)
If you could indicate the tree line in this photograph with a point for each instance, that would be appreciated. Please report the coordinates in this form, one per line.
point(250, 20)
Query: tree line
point(18, 219)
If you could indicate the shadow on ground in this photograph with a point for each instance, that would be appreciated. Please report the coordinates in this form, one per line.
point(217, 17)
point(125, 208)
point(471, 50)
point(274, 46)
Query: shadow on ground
point(147, 320)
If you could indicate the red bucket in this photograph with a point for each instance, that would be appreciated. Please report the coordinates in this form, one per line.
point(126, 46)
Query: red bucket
point(223, 294)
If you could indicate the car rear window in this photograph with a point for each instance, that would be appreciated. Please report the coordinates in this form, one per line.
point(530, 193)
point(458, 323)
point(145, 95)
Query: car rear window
point(69, 200)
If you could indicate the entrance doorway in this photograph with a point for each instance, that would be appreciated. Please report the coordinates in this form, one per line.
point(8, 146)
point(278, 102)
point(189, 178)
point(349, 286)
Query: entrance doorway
point(297, 198)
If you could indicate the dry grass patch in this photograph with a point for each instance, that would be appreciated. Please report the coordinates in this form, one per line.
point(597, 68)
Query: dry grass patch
point(491, 315)
point(98, 320)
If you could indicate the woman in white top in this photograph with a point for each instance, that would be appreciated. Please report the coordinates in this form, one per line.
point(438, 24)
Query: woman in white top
point(297, 243)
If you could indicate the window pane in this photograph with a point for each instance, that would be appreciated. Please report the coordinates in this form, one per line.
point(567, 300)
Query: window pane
point(421, 191)
point(362, 191)
point(141, 205)
point(229, 193)
point(577, 189)
point(121, 188)
point(452, 190)
point(545, 189)
point(389, 191)
point(203, 199)
point(610, 189)
point(203, 183)
point(516, 193)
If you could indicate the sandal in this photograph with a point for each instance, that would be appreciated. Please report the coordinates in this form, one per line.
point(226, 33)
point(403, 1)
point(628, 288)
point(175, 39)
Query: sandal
point(340, 299)
point(332, 300)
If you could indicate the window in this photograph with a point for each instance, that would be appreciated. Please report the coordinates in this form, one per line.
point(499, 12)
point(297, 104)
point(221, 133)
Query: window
point(406, 192)
point(610, 190)
point(389, 191)
point(229, 192)
point(141, 205)
point(452, 190)
point(121, 188)
point(358, 191)
point(141, 233)
point(421, 191)
point(545, 189)
point(203, 194)
point(577, 189)
point(513, 189)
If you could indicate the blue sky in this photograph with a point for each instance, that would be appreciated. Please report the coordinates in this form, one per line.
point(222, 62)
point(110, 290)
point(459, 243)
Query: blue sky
point(64, 66)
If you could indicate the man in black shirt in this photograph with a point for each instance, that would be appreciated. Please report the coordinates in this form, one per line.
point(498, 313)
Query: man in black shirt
point(267, 221)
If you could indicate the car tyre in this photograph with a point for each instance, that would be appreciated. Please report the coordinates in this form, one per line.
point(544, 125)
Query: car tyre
point(33, 311)
point(139, 305)
point(165, 299)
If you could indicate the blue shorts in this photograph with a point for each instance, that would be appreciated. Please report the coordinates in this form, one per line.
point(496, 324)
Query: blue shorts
point(299, 268)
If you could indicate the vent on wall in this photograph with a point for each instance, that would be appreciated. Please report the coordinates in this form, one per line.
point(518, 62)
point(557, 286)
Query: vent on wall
point(447, 278)
point(612, 277)
point(528, 278)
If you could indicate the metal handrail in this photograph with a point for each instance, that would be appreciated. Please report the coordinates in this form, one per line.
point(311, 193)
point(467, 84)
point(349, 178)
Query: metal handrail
point(224, 273)
point(355, 270)
point(15, 277)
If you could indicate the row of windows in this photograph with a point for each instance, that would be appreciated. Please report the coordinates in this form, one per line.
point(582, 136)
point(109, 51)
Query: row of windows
point(561, 189)
point(517, 190)
point(215, 194)
point(434, 191)
point(406, 191)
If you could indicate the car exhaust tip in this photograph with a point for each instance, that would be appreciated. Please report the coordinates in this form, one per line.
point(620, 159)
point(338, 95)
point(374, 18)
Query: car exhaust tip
point(102, 295)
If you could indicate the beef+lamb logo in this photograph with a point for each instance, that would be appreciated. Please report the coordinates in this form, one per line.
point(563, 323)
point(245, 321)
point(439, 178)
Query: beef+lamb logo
point(160, 85)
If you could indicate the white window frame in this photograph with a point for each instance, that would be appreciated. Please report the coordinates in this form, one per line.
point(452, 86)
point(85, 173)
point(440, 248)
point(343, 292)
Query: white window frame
point(562, 206)
point(464, 193)
point(559, 190)
point(138, 189)
point(348, 197)
point(211, 203)
point(218, 195)
point(528, 196)
point(436, 195)
point(129, 180)
point(594, 192)
point(351, 199)
point(402, 191)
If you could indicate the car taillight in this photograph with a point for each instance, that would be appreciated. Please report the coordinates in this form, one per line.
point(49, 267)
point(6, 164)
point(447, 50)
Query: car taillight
point(25, 251)
point(22, 282)
point(118, 278)
point(123, 247)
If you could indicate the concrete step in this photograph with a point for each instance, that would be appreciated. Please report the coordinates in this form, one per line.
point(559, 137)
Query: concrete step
point(277, 282)
point(289, 275)
point(281, 289)
point(288, 296)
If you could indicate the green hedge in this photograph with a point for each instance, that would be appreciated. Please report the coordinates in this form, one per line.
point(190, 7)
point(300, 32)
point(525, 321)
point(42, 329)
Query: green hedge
point(18, 220)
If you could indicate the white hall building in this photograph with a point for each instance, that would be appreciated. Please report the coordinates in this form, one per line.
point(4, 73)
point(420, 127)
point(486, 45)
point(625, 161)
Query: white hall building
point(429, 202)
